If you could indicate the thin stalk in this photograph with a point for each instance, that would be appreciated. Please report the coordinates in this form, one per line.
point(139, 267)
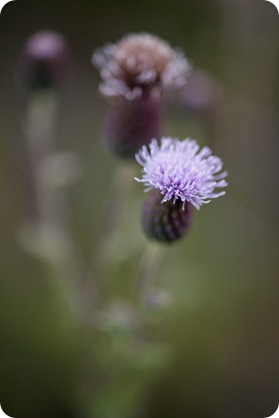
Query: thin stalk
point(52, 209)
point(147, 270)
point(113, 207)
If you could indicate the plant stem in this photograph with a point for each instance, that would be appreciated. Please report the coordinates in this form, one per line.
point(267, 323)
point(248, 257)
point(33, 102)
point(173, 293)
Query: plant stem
point(147, 270)
point(112, 211)
point(52, 209)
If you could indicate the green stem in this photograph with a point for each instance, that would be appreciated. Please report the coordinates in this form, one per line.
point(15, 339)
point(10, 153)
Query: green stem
point(52, 209)
point(147, 270)
point(111, 213)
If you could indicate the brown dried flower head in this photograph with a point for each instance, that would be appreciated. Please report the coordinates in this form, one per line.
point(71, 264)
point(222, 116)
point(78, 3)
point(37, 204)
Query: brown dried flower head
point(140, 63)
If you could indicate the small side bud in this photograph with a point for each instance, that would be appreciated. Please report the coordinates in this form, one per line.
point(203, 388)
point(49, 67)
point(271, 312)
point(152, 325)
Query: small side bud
point(131, 124)
point(165, 222)
point(45, 61)
point(200, 94)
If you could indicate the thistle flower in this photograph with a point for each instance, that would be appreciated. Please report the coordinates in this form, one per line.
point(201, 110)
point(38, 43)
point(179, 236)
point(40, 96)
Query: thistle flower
point(45, 61)
point(136, 71)
point(140, 63)
point(181, 171)
point(181, 176)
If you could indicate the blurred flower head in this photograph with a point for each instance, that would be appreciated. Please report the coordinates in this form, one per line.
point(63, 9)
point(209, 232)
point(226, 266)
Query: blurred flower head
point(181, 171)
point(45, 60)
point(140, 63)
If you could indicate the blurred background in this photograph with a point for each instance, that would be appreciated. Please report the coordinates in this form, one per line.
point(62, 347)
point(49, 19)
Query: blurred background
point(214, 351)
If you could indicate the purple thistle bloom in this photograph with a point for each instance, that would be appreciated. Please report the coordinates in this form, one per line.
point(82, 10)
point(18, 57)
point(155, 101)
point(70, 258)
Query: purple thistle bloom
point(181, 171)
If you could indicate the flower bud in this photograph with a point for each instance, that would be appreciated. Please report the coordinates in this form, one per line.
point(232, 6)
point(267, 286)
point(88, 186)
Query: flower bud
point(131, 124)
point(200, 94)
point(44, 61)
point(165, 222)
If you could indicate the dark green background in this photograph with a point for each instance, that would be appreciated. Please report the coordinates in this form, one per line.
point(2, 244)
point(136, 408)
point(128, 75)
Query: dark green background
point(223, 327)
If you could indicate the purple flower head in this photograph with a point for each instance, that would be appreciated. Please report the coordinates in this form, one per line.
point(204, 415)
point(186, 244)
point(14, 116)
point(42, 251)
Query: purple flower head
point(180, 170)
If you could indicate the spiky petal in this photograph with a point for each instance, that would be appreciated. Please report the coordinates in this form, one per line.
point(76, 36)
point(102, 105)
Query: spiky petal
point(180, 170)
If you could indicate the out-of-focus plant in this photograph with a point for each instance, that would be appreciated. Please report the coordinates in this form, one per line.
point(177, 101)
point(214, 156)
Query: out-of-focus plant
point(43, 67)
point(137, 72)
point(121, 355)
